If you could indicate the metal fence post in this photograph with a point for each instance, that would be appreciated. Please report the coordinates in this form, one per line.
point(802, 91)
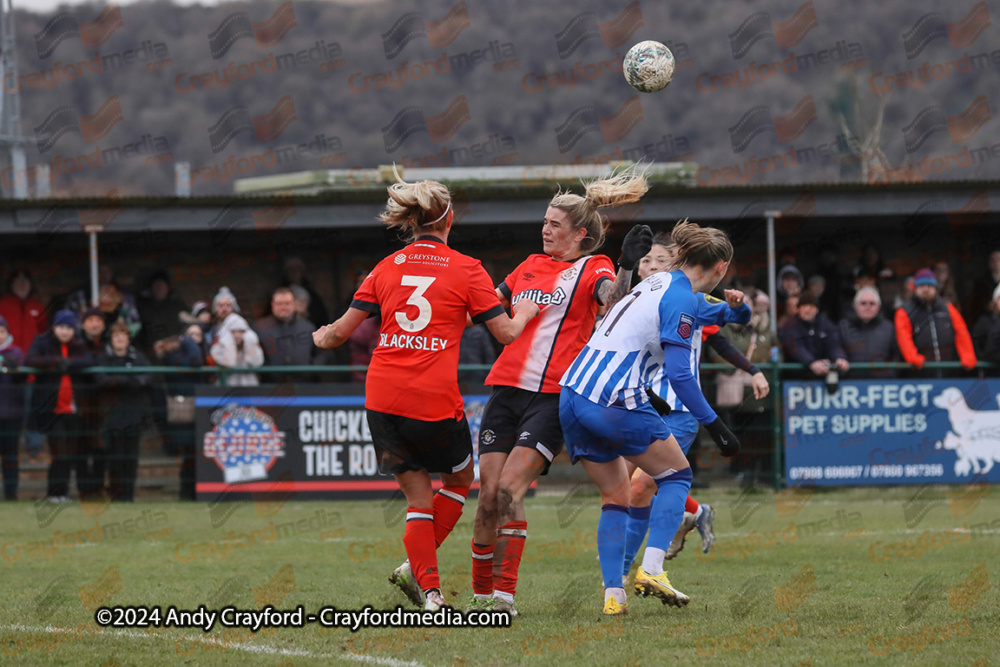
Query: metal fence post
point(776, 428)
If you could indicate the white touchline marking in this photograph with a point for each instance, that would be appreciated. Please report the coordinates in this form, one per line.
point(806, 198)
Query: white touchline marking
point(389, 662)
point(250, 648)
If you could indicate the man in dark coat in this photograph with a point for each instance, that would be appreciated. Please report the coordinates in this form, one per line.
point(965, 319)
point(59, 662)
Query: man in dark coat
point(55, 403)
point(812, 339)
point(285, 337)
point(123, 406)
point(295, 275)
point(867, 336)
point(159, 310)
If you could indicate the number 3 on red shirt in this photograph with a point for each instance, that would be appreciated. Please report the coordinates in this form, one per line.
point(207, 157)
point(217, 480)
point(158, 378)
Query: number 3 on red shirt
point(416, 299)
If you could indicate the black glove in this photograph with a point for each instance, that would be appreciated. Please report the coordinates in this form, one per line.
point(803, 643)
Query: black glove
point(636, 245)
point(658, 403)
point(724, 438)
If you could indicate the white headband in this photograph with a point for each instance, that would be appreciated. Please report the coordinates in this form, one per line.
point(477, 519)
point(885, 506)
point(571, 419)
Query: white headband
point(443, 215)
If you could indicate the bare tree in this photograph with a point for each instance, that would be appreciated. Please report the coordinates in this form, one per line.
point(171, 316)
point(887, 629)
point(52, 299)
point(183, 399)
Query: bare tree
point(865, 139)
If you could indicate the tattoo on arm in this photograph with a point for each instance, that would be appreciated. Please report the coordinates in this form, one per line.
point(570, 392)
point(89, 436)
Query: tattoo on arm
point(610, 292)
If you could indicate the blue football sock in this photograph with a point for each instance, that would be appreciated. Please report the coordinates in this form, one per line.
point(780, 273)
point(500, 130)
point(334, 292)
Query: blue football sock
point(635, 533)
point(611, 543)
point(668, 507)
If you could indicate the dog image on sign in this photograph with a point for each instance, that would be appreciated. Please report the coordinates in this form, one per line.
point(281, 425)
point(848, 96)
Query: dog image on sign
point(974, 434)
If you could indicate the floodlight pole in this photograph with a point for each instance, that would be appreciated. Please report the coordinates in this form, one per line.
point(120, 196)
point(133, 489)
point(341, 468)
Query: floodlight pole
point(92, 236)
point(776, 388)
point(11, 142)
point(772, 278)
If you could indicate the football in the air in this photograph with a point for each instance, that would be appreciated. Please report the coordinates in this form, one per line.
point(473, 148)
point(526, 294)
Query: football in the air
point(648, 66)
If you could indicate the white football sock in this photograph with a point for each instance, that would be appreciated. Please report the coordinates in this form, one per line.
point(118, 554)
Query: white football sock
point(506, 597)
point(652, 560)
point(617, 593)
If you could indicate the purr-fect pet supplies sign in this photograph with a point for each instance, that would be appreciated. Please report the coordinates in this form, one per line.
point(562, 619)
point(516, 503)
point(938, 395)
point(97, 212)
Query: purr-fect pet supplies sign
point(892, 432)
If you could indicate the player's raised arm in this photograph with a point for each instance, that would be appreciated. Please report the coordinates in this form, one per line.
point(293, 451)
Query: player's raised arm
point(365, 303)
point(336, 334)
point(715, 311)
point(636, 245)
point(728, 351)
point(488, 303)
point(506, 329)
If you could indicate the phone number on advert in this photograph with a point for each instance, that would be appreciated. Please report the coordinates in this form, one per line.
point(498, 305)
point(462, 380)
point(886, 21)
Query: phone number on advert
point(875, 471)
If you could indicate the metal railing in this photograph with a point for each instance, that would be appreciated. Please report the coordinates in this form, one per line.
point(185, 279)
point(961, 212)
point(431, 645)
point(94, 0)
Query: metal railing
point(774, 372)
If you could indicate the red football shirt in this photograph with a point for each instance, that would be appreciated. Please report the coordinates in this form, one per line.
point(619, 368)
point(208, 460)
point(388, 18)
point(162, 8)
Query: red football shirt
point(423, 293)
point(567, 295)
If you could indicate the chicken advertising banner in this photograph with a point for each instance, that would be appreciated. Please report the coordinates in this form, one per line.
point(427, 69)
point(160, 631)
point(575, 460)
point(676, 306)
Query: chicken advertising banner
point(302, 441)
point(892, 432)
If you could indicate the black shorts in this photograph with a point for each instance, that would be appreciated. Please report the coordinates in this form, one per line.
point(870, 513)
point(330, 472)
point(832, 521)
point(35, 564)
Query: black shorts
point(403, 444)
point(520, 418)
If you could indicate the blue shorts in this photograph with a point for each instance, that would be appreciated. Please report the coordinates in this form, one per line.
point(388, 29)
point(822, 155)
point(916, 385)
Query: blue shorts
point(684, 427)
point(600, 434)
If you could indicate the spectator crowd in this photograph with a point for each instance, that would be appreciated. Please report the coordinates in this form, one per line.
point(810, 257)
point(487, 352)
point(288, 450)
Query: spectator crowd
point(93, 422)
point(828, 321)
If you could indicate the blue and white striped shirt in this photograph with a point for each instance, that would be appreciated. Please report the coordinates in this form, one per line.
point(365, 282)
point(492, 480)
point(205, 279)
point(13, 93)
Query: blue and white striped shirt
point(626, 353)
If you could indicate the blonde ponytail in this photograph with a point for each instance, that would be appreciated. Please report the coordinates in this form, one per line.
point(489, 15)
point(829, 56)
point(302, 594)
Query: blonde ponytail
point(624, 187)
point(417, 207)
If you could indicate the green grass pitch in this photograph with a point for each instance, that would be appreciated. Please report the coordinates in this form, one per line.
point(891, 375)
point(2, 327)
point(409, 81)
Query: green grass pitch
point(864, 576)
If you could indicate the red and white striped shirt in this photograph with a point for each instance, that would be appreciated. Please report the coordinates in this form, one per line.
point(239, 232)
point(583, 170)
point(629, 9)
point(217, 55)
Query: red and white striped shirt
point(567, 295)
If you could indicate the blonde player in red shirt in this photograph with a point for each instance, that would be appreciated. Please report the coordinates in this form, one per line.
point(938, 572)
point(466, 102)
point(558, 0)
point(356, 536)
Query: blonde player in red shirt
point(415, 412)
point(520, 433)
